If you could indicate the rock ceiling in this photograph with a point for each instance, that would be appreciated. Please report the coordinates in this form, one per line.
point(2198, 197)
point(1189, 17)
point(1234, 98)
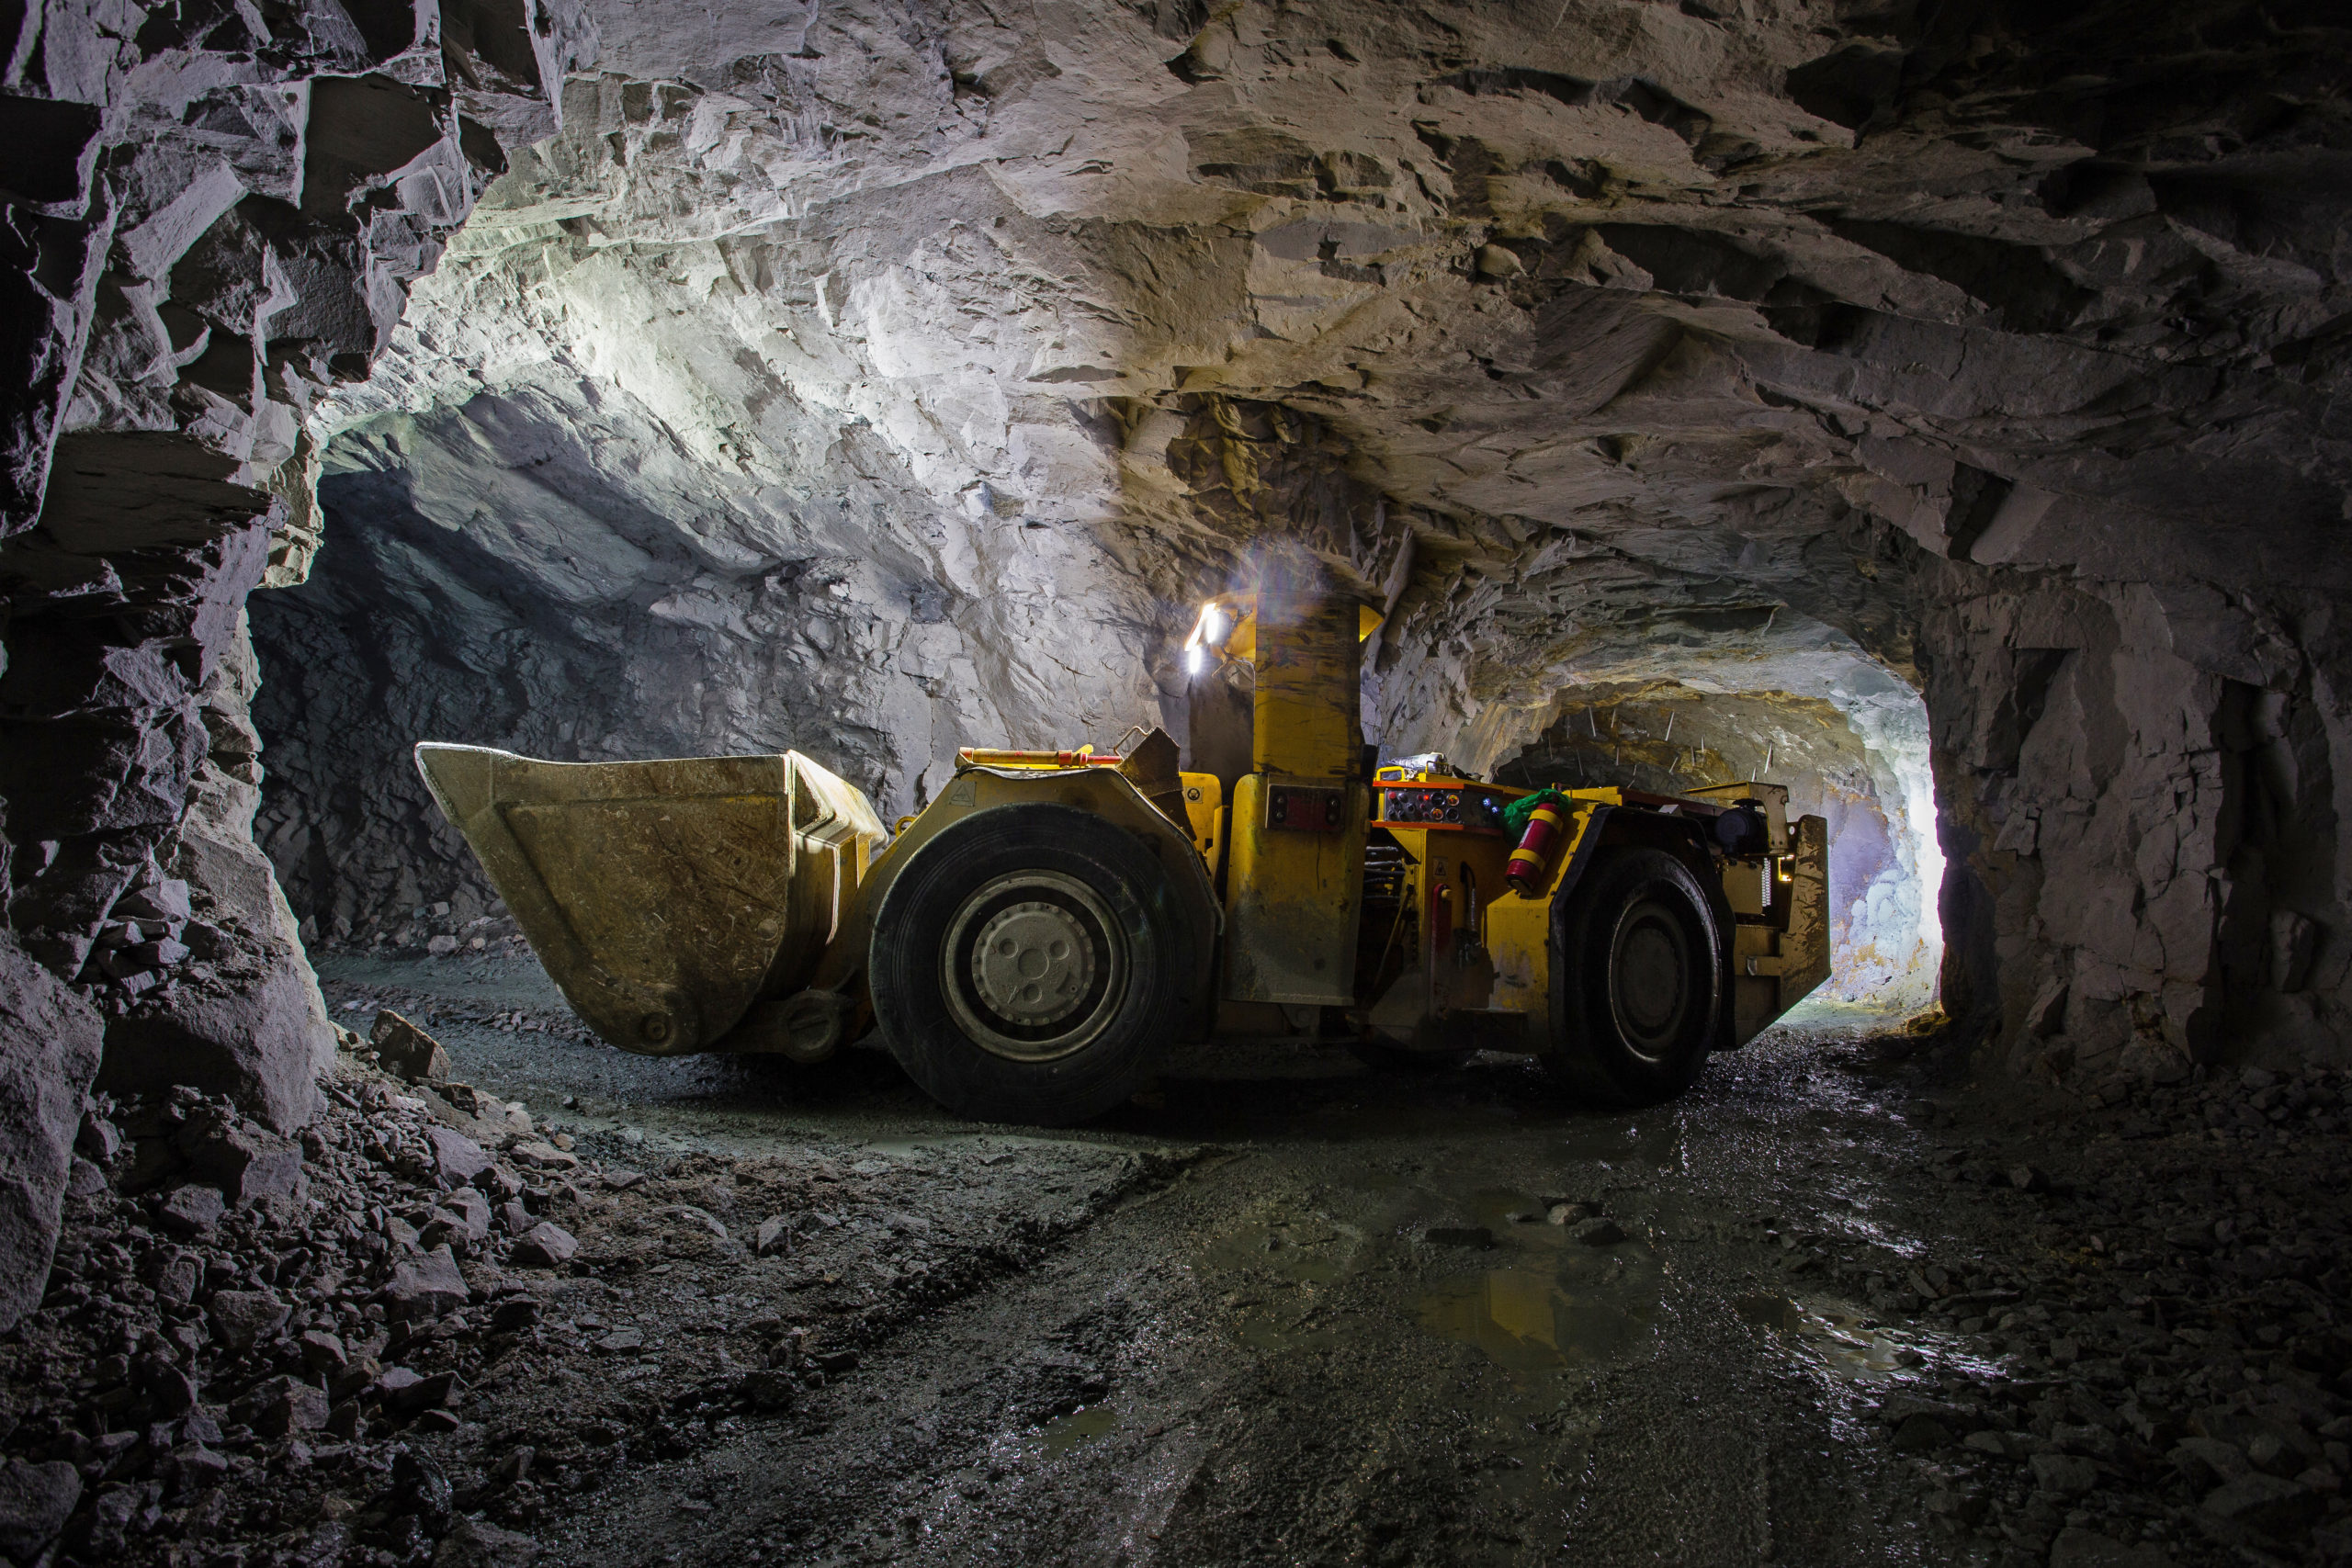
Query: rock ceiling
point(1629, 311)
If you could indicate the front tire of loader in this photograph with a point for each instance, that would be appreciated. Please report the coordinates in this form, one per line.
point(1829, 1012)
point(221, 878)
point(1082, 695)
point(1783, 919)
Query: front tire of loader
point(1028, 967)
point(1637, 980)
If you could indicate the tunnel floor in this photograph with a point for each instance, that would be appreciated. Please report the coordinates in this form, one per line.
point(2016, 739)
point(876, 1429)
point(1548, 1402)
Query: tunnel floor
point(1835, 1305)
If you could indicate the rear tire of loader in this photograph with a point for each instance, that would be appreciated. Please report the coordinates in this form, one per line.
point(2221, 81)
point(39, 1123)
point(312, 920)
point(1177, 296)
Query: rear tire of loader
point(1637, 980)
point(1028, 967)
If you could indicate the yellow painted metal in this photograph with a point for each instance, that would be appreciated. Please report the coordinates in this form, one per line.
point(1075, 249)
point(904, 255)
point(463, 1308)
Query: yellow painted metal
point(1518, 930)
point(1292, 899)
point(987, 757)
point(672, 899)
point(1779, 935)
point(1308, 713)
point(1804, 956)
point(1748, 885)
point(1778, 960)
point(1205, 813)
point(1236, 616)
point(1469, 926)
point(1294, 891)
point(665, 898)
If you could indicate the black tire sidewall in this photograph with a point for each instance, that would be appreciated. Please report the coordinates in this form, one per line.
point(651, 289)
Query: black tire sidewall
point(910, 928)
point(1588, 1053)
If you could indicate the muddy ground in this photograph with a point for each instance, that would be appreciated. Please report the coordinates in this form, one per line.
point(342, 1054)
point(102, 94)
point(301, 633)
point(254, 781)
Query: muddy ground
point(1838, 1304)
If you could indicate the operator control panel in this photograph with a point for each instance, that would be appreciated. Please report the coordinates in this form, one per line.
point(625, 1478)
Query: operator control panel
point(1448, 804)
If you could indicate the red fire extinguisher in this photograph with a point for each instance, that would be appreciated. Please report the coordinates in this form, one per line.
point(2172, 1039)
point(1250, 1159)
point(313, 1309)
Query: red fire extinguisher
point(1525, 871)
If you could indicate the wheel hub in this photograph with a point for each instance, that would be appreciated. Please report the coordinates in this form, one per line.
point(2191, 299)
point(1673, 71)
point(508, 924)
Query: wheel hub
point(1651, 980)
point(1032, 963)
point(1034, 966)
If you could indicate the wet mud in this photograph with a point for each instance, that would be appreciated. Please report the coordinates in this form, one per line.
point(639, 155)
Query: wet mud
point(1336, 1316)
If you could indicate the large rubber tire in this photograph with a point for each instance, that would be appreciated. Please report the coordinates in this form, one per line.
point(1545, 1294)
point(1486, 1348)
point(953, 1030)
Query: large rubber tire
point(1638, 980)
point(1030, 966)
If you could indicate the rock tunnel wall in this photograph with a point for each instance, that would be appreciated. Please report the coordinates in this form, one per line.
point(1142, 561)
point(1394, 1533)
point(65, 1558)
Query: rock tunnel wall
point(2144, 797)
point(877, 377)
point(210, 217)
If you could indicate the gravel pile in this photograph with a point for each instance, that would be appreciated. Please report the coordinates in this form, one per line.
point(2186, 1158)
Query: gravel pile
point(2133, 1350)
point(410, 1334)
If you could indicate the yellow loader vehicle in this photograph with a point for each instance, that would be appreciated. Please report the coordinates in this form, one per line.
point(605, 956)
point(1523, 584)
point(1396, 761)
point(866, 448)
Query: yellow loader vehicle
point(1031, 943)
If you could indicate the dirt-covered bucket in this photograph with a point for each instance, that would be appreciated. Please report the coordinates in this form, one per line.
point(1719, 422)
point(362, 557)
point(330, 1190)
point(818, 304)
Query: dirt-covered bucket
point(665, 898)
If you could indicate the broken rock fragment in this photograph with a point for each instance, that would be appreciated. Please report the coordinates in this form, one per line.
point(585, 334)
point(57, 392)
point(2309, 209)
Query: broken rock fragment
point(475, 1543)
point(465, 1213)
point(426, 1286)
point(245, 1161)
point(35, 1502)
point(262, 1045)
point(1600, 1233)
point(242, 1319)
point(457, 1158)
point(2079, 1548)
point(169, 1388)
point(2067, 1475)
point(407, 1051)
point(194, 1466)
point(545, 1246)
point(191, 1210)
point(770, 1389)
point(2270, 1504)
point(162, 901)
point(409, 1391)
point(49, 1051)
point(325, 1353)
point(515, 1312)
point(284, 1405)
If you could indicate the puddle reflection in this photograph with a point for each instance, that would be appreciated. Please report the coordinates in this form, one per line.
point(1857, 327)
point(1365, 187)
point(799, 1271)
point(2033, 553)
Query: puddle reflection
point(1842, 1340)
point(1064, 1433)
point(1525, 1321)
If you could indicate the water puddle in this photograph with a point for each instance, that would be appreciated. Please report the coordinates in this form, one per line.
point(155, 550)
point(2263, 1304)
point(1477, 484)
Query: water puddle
point(1064, 1433)
point(1480, 1265)
point(1847, 1343)
point(1653, 1139)
point(1526, 1321)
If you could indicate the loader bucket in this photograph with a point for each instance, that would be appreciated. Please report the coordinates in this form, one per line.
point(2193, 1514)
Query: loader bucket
point(665, 898)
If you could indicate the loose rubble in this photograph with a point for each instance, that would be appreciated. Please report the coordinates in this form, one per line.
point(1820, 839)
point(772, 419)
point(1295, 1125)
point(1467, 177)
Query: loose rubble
point(2133, 1348)
point(412, 1331)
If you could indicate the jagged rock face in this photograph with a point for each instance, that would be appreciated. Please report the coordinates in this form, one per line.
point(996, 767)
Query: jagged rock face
point(876, 379)
point(223, 213)
point(49, 1049)
point(209, 214)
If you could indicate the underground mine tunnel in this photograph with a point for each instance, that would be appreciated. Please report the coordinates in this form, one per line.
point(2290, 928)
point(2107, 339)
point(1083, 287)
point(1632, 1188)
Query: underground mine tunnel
point(1182, 498)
